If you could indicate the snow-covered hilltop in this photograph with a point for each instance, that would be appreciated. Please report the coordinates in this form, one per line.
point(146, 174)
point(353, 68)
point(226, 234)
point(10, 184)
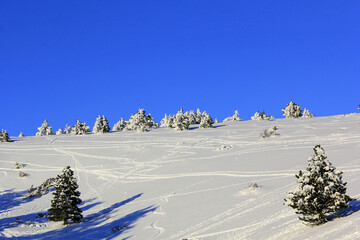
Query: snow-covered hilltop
point(223, 182)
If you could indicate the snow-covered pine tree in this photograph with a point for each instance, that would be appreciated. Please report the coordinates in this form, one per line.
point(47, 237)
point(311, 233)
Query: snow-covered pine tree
point(216, 121)
point(66, 198)
point(199, 116)
point(59, 132)
point(292, 110)
point(45, 129)
point(206, 121)
point(307, 114)
point(181, 121)
point(4, 136)
point(120, 125)
point(141, 122)
point(67, 129)
point(21, 134)
point(101, 125)
point(79, 128)
point(167, 121)
point(261, 116)
point(234, 118)
point(321, 191)
point(192, 116)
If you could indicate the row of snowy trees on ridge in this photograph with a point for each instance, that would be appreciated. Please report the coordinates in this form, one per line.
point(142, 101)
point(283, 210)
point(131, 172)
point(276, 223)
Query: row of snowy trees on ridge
point(141, 122)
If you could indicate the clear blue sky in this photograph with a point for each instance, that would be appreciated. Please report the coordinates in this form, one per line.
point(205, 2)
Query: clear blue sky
point(68, 60)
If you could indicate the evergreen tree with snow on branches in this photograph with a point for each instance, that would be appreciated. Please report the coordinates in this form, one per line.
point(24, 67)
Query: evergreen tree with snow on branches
point(307, 114)
point(4, 136)
point(261, 116)
point(234, 118)
point(80, 128)
point(206, 121)
point(321, 191)
point(66, 198)
point(101, 125)
point(67, 129)
point(141, 122)
point(292, 110)
point(120, 125)
point(45, 129)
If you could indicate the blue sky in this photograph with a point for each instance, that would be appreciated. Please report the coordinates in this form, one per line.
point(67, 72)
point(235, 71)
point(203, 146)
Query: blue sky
point(69, 60)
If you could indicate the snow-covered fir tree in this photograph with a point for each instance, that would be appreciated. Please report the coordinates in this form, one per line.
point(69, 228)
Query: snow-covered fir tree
point(216, 121)
point(67, 129)
point(321, 190)
point(199, 116)
point(307, 114)
point(234, 118)
point(192, 116)
point(120, 125)
point(80, 128)
point(206, 121)
point(167, 121)
point(141, 122)
point(45, 129)
point(292, 110)
point(101, 125)
point(21, 134)
point(261, 116)
point(4, 136)
point(66, 198)
point(181, 121)
point(59, 132)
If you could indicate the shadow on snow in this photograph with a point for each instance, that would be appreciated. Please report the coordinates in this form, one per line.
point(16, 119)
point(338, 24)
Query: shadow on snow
point(354, 206)
point(94, 226)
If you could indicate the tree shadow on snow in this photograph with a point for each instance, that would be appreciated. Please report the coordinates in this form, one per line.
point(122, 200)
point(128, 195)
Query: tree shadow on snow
point(354, 206)
point(10, 199)
point(97, 225)
point(31, 219)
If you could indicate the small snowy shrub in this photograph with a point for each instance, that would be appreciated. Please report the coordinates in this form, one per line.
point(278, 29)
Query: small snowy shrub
point(206, 121)
point(18, 165)
point(307, 114)
point(22, 174)
point(216, 121)
point(101, 125)
point(269, 132)
point(292, 110)
point(66, 198)
point(120, 125)
point(40, 190)
point(59, 132)
point(321, 191)
point(21, 135)
point(79, 128)
point(141, 122)
point(234, 118)
point(67, 129)
point(261, 116)
point(4, 136)
point(45, 129)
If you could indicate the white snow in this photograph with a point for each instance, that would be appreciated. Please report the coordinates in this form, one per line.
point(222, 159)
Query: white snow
point(166, 184)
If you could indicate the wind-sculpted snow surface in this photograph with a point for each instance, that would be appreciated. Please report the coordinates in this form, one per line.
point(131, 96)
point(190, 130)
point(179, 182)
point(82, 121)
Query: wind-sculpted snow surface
point(222, 183)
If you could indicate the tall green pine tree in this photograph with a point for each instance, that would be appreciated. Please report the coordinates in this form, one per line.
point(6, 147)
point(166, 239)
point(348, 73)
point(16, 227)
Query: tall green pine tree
point(66, 198)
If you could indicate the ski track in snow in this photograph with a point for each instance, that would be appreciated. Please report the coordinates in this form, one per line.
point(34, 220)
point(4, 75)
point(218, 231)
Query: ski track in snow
point(117, 159)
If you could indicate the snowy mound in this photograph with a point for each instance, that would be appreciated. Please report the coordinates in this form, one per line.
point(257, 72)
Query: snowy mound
point(218, 183)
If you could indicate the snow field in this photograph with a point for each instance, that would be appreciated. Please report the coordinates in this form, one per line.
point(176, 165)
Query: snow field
point(194, 184)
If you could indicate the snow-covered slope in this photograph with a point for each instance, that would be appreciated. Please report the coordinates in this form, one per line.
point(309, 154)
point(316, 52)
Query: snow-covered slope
point(220, 183)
